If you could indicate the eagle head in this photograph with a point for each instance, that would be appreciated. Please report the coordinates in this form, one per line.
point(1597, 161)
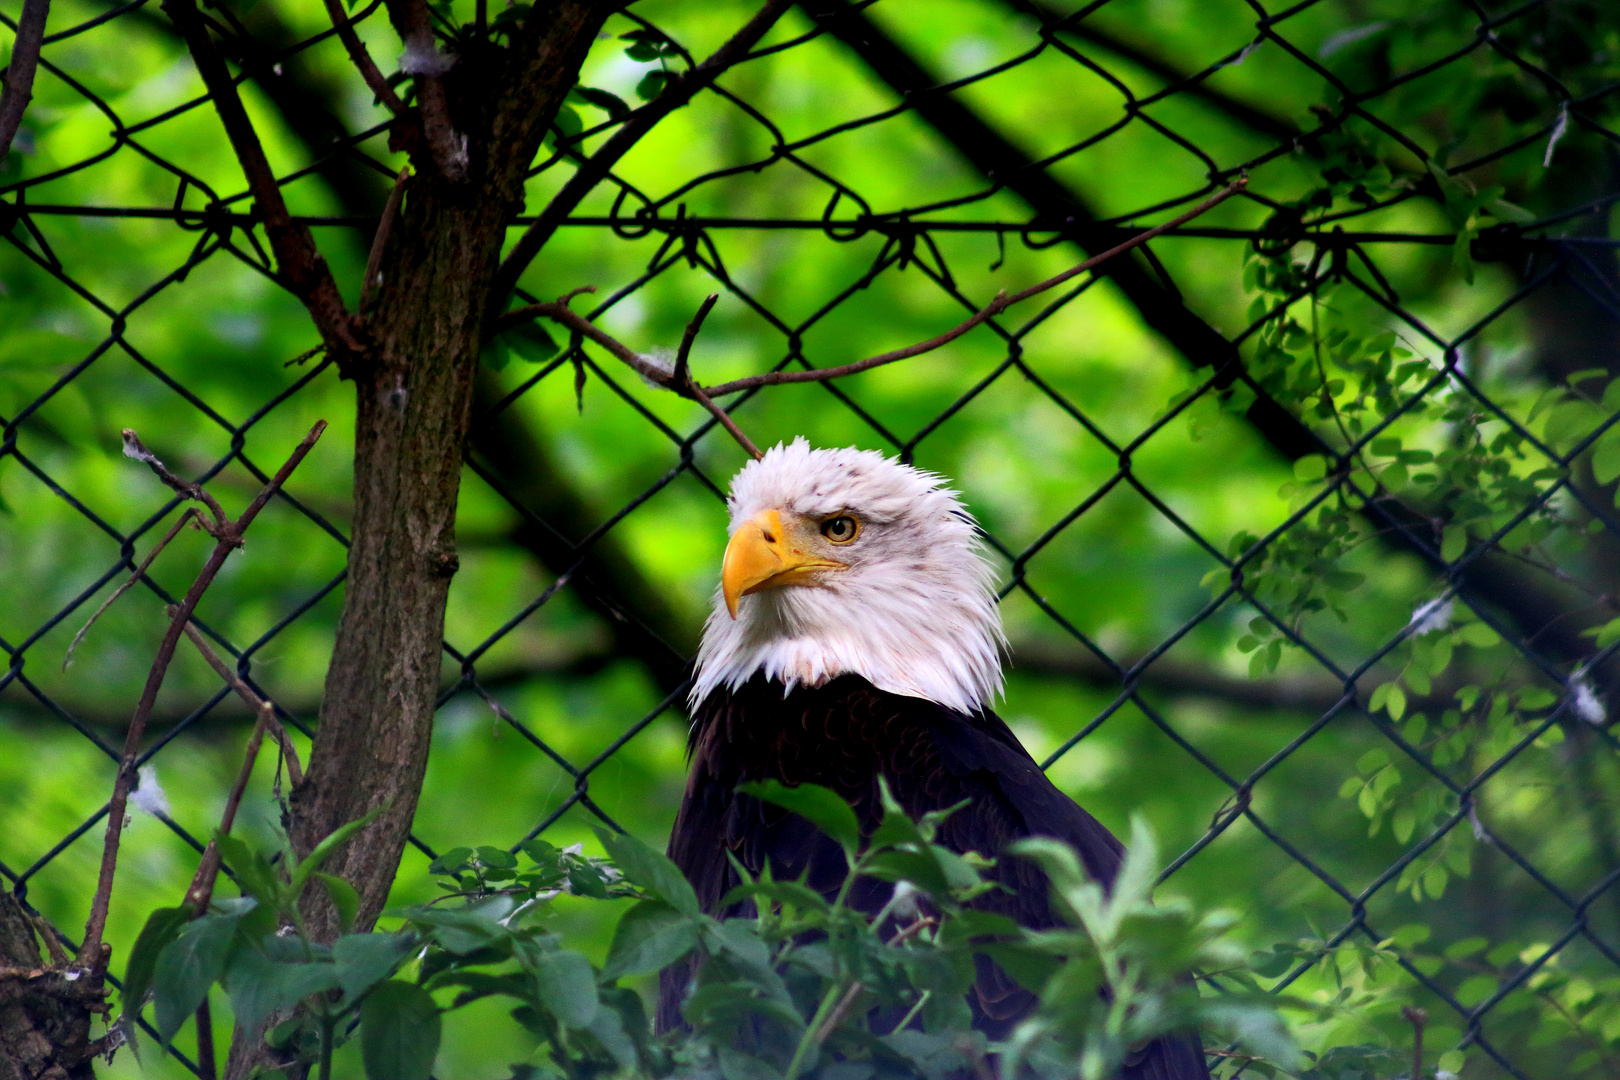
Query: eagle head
point(847, 562)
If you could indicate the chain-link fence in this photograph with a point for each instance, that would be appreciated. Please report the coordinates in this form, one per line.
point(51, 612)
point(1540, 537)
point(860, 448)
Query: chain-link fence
point(1021, 131)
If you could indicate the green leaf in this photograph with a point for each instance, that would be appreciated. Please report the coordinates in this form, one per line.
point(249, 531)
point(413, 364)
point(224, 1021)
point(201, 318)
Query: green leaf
point(587, 881)
point(1310, 468)
point(651, 85)
point(567, 986)
point(1453, 542)
point(919, 868)
point(362, 960)
point(1503, 210)
point(1606, 457)
point(451, 862)
point(1387, 446)
point(820, 806)
point(324, 850)
point(495, 354)
point(568, 122)
point(252, 871)
point(612, 104)
point(530, 342)
point(1462, 254)
point(468, 929)
point(162, 927)
point(1479, 635)
point(399, 1032)
point(1604, 635)
point(497, 858)
point(260, 986)
point(650, 937)
point(650, 869)
point(193, 962)
point(344, 899)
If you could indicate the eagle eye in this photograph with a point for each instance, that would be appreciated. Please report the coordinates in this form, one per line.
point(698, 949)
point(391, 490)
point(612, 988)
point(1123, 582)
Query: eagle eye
point(841, 529)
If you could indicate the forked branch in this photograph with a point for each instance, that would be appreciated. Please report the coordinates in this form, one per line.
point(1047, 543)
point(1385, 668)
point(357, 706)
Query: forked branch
point(427, 65)
point(679, 379)
point(229, 537)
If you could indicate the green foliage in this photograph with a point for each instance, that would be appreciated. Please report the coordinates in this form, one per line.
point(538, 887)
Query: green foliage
point(801, 987)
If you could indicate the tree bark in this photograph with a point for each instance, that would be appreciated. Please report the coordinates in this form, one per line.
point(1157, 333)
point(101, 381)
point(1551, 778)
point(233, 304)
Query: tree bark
point(412, 413)
point(44, 1014)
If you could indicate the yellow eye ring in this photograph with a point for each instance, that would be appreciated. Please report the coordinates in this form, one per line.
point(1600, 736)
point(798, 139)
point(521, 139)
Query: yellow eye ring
point(841, 529)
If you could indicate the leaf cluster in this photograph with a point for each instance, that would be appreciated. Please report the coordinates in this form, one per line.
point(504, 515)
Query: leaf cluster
point(791, 984)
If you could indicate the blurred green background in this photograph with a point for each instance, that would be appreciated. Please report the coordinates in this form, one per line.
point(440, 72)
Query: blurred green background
point(112, 320)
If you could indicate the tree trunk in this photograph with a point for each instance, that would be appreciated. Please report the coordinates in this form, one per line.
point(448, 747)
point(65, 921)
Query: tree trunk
point(413, 404)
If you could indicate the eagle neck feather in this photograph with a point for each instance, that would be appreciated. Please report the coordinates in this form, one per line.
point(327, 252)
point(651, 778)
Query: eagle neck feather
point(942, 645)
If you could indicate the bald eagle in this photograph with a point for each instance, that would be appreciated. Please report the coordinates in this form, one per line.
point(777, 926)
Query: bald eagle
point(856, 634)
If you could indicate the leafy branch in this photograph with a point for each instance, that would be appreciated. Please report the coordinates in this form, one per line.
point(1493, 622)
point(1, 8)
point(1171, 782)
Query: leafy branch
point(793, 985)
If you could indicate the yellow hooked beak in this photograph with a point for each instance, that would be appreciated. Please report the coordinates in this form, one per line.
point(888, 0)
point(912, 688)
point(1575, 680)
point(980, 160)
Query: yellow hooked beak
point(764, 555)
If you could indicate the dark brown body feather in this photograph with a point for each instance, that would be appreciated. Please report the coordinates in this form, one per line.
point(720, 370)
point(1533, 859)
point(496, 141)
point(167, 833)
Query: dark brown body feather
point(844, 735)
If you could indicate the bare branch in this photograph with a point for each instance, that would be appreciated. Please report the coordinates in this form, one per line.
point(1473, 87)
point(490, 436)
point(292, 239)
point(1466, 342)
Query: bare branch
point(373, 279)
point(680, 381)
point(90, 952)
point(680, 376)
point(993, 308)
point(202, 883)
point(677, 92)
point(361, 57)
point(726, 422)
point(559, 312)
point(136, 450)
point(295, 772)
point(19, 89)
point(299, 262)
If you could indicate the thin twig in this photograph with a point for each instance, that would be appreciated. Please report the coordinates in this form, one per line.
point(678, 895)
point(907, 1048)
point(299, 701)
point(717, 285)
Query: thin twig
point(206, 1067)
point(561, 314)
point(202, 883)
point(726, 422)
point(298, 261)
point(836, 1017)
point(677, 92)
point(1417, 1018)
point(191, 512)
point(19, 89)
point(680, 376)
point(136, 450)
point(995, 307)
point(91, 952)
point(295, 772)
point(373, 278)
point(344, 25)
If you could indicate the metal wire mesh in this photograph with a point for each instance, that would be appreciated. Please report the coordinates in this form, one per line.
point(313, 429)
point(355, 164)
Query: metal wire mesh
point(1019, 199)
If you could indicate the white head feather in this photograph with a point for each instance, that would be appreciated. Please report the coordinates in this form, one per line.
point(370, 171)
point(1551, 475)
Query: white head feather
point(915, 613)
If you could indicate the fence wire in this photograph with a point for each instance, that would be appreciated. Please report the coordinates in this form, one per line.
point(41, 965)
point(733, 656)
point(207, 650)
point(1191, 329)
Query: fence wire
point(1351, 247)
